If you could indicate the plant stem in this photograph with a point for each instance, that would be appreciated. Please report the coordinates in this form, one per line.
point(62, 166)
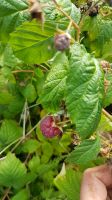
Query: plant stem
point(7, 147)
point(24, 71)
point(25, 118)
point(64, 122)
point(6, 194)
point(66, 15)
point(19, 140)
point(22, 139)
point(107, 114)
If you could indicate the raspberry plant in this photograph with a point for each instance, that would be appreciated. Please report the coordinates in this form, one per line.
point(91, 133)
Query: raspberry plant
point(55, 95)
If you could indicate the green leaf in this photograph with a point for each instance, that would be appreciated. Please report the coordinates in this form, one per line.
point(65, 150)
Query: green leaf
point(12, 172)
point(5, 97)
point(30, 146)
point(108, 93)
point(55, 84)
point(85, 152)
point(7, 57)
point(68, 182)
point(22, 194)
point(15, 106)
point(34, 163)
point(107, 51)
point(47, 150)
point(12, 14)
point(9, 132)
point(54, 15)
point(85, 90)
point(105, 125)
point(100, 33)
point(29, 93)
point(8, 7)
point(32, 44)
point(101, 28)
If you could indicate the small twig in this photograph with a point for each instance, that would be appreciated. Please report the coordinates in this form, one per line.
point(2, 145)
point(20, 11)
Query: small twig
point(2, 158)
point(6, 194)
point(107, 114)
point(34, 105)
point(7, 147)
point(25, 118)
point(44, 68)
point(19, 140)
point(71, 20)
point(64, 122)
point(69, 26)
point(27, 158)
point(23, 139)
point(24, 71)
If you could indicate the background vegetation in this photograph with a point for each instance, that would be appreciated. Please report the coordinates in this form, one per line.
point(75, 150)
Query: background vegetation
point(69, 80)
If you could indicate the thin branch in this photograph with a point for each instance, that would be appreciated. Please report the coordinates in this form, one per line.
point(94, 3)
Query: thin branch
point(2, 158)
point(34, 105)
point(6, 194)
point(25, 118)
point(18, 141)
point(27, 158)
point(107, 114)
point(66, 15)
point(44, 68)
point(24, 71)
point(23, 139)
point(7, 147)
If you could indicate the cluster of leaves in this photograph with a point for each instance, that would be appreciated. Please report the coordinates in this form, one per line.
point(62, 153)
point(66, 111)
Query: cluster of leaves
point(37, 80)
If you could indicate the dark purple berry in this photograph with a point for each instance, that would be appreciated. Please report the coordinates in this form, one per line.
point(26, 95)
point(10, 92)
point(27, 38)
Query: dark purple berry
point(49, 128)
point(62, 41)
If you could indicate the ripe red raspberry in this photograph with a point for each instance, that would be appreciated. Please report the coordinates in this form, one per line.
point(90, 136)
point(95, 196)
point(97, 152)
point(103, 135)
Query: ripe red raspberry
point(62, 41)
point(49, 128)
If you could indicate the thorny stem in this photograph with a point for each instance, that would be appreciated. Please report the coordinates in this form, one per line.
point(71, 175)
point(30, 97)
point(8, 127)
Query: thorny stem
point(66, 15)
point(107, 114)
